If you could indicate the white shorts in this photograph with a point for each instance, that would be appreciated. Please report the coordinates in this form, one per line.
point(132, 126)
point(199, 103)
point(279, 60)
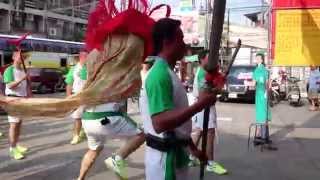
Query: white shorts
point(155, 163)
point(197, 120)
point(77, 114)
point(13, 119)
point(119, 127)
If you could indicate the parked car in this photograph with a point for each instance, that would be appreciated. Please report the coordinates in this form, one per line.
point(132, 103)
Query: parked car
point(236, 86)
point(2, 85)
point(45, 80)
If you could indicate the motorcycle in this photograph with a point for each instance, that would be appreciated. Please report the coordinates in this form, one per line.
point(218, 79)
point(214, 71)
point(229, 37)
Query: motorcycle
point(294, 93)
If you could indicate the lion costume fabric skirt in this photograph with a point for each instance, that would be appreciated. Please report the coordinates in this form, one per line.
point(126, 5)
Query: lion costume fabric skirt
point(113, 75)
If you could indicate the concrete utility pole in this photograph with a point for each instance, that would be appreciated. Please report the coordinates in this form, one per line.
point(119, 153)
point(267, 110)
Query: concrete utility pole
point(262, 13)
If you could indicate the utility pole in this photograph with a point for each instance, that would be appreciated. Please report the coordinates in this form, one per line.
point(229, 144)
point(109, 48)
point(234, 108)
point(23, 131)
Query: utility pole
point(228, 34)
point(262, 13)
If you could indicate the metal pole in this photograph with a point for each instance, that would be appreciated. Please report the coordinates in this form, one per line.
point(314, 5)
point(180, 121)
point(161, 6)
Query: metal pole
point(219, 7)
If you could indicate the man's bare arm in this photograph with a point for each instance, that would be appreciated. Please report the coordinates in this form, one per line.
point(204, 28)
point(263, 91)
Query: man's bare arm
point(171, 119)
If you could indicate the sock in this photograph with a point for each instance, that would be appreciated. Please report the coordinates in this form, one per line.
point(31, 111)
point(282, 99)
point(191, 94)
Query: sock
point(210, 162)
point(11, 148)
point(118, 158)
point(192, 158)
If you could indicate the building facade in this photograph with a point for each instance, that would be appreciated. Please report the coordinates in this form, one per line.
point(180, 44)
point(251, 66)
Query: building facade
point(54, 19)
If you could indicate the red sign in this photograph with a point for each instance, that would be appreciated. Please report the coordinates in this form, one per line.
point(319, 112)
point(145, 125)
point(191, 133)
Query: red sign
point(297, 4)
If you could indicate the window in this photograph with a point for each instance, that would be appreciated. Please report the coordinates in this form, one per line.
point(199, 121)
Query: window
point(63, 62)
point(239, 74)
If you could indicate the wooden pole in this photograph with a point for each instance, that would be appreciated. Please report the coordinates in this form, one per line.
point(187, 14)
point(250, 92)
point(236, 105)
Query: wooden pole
point(219, 8)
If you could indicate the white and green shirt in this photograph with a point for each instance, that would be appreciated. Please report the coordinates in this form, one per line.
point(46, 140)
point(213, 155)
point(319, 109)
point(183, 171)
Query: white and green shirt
point(77, 77)
point(12, 74)
point(163, 91)
point(198, 84)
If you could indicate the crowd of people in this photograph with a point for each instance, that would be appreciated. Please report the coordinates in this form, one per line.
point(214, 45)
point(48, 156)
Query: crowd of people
point(172, 126)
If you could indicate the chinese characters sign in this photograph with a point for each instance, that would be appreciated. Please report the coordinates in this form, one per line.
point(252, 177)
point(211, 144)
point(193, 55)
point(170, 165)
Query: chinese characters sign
point(297, 37)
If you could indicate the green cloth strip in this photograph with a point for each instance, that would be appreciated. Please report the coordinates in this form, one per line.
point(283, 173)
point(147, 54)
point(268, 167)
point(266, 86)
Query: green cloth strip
point(176, 158)
point(100, 115)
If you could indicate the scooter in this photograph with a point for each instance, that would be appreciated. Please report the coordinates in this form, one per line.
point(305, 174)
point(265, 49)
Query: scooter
point(294, 93)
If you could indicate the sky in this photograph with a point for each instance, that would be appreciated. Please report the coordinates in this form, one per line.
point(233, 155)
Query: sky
point(236, 15)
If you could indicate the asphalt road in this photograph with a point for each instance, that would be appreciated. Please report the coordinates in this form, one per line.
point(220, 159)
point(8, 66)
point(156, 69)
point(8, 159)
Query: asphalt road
point(295, 130)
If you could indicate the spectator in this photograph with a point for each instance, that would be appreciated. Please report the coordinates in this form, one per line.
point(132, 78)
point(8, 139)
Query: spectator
point(313, 87)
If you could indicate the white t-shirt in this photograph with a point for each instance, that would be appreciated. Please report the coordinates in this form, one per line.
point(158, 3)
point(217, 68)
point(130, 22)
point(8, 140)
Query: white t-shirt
point(198, 82)
point(21, 89)
point(78, 83)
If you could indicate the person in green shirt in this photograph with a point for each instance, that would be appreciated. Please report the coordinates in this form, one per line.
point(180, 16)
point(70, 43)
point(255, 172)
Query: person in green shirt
point(75, 80)
point(198, 119)
point(263, 115)
point(165, 110)
point(15, 79)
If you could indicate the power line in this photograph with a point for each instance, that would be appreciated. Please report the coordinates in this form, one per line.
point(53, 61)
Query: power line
point(248, 7)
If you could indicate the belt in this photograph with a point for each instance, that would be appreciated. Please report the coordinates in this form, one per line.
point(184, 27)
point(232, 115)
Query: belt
point(103, 116)
point(165, 144)
point(99, 115)
point(12, 95)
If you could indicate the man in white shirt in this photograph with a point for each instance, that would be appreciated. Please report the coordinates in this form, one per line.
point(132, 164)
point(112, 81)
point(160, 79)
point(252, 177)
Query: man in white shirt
point(16, 85)
point(164, 108)
point(76, 78)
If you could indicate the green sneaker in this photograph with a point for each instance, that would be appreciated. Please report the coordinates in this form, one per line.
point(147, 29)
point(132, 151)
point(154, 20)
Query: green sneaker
point(216, 168)
point(118, 166)
point(22, 149)
point(16, 154)
point(82, 135)
point(76, 140)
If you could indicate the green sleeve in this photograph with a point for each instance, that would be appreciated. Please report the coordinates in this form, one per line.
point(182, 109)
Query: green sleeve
point(8, 75)
point(83, 73)
point(69, 77)
point(159, 90)
point(201, 78)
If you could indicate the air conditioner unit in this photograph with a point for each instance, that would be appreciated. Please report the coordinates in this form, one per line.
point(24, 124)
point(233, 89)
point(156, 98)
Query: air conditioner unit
point(52, 31)
point(30, 17)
